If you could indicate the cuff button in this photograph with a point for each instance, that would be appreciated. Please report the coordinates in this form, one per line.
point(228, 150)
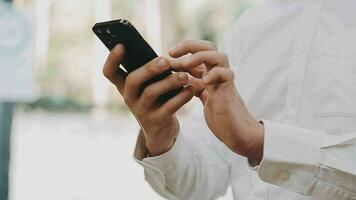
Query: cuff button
point(283, 176)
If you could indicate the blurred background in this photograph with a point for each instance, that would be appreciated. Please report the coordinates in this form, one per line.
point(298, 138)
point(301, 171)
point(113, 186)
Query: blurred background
point(72, 137)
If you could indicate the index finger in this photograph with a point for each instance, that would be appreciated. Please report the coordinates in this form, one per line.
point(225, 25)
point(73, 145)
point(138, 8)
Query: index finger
point(191, 46)
point(111, 69)
point(178, 65)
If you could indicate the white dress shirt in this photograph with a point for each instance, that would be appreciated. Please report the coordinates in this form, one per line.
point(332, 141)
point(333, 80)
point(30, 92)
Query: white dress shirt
point(295, 63)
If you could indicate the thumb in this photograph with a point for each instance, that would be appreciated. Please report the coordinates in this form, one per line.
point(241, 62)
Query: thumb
point(204, 96)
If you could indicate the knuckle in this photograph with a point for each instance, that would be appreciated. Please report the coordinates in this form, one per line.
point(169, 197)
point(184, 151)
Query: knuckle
point(152, 68)
point(169, 108)
point(131, 84)
point(179, 78)
point(106, 72)
point(155, 60)
point(185, 64)
point(223, 59)
point(127, 101)
point(216, 70)
point(166, 61)
point(198, 55)
point(186, 42)
point(211, 45)
point(149, 93)
point(130, 80)
point(224, 56)
point(231, 73)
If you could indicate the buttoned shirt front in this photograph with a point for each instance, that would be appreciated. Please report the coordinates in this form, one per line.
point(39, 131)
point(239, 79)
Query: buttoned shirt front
point(295, 65)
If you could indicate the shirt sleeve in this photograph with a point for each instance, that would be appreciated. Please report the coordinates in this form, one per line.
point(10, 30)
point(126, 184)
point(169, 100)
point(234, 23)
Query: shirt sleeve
point(196, 167)
point(309, 162)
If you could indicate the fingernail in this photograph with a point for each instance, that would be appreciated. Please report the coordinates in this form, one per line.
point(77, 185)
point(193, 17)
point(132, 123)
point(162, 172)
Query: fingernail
point(118, 49)
point(182, 76)
point(162, 62)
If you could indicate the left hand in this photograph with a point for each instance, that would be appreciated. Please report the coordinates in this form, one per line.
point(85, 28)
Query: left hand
point(224, 110)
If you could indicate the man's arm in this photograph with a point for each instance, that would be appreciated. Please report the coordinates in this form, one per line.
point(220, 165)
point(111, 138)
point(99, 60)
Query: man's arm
point(306, 161)
point(188, 175)
point(309, 162)
point(196, 167)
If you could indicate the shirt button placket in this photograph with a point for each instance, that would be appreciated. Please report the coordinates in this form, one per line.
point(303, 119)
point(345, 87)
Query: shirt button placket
point(300, 59)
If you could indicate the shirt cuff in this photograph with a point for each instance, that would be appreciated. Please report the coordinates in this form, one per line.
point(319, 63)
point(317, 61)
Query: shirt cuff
point(169, 164)
point(291, 156)
point(172, 158)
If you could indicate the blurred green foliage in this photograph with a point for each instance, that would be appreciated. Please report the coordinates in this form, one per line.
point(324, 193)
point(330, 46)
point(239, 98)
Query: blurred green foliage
point(65, 80)
point(58, 104)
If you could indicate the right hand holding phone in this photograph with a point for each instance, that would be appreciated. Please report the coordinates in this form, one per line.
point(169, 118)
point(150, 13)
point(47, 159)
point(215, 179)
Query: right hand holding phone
point(158, 121)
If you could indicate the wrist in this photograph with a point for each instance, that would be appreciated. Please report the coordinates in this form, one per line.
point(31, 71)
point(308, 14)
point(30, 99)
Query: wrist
point(255, 151)
point(158, 148)
point(162, 140)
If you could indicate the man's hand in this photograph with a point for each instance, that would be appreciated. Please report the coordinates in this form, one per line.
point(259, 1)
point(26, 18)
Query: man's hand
point(225, 112)
point(158, 122)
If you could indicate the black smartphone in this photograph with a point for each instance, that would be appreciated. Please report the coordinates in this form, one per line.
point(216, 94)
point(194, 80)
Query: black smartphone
point(138, 51)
